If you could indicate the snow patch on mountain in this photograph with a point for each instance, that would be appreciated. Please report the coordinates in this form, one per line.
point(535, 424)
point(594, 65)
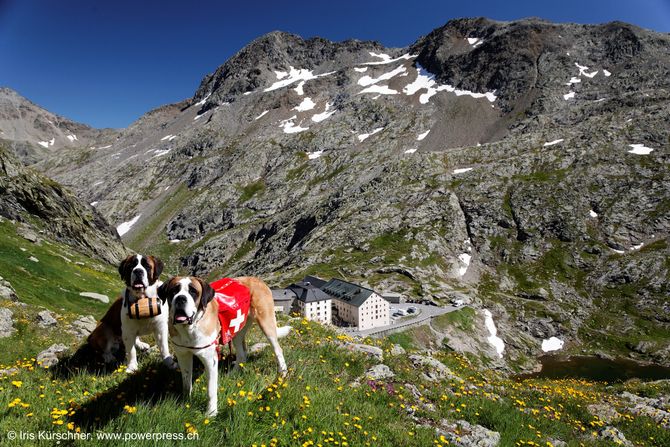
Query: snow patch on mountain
point(124, 227)
point(367, 80)
point(305, 105)
point(381, 89)
point(327, 113)
point(290, 127)
point(493, 338)
point(364, 136)
point(551, 143)
point(423, 135)
point(426, 80)
point(295, 75)
point(552, 344)
point(640, 149)
point(388, 60)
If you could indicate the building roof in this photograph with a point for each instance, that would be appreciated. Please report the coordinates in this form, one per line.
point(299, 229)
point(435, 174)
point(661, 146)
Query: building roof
point(308, 292)
point(283, 294)
point(315, 281)
point(350, 293)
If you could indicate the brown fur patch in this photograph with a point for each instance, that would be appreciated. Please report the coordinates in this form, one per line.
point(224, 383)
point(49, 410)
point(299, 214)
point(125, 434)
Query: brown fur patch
point(109, 326)
point(262, 304)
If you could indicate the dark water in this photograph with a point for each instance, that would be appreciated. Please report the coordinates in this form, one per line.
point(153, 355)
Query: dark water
point(597, 369)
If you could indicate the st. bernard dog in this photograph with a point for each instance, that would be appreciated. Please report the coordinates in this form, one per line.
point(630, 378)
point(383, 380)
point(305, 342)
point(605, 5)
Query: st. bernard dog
point(106, 337)
point(195, 327)
point(141, 274)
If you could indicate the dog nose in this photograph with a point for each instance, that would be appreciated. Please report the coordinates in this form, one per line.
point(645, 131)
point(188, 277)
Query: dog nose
point(179, 301)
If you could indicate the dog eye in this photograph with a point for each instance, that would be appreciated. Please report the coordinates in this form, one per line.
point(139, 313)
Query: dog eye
point(192, 291)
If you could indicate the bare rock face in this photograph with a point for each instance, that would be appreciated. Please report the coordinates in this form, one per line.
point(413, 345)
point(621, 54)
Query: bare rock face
point(26, 195)
point(432, 369)
point(464, 434)
point(6, 322)
point(51, 356)
point(7, 292)
point(45, 319)
point(379, 372)
point(83, 326)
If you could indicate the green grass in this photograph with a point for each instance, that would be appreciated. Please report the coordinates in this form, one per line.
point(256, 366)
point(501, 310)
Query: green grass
point(151, 237)
point(250, 190)
point(54, 283)
point(58, 277)
point(463, 319)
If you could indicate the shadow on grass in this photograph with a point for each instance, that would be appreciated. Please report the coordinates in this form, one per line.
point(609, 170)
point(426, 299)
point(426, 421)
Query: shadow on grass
point(85, 359)
point(152, 383)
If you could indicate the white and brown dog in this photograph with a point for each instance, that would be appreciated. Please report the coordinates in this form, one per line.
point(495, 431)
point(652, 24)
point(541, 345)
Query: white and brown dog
point(195, 327)
point(141, 274)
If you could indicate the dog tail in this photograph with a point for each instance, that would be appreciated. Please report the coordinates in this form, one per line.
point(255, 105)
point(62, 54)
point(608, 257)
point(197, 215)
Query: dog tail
point(283, 331)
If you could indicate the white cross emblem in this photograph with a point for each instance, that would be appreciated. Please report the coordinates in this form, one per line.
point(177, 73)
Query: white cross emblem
point(238, 321)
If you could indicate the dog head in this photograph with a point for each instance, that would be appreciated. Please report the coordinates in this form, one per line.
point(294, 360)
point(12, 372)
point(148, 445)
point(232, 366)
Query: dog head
point(186, 296)
point(140, 272)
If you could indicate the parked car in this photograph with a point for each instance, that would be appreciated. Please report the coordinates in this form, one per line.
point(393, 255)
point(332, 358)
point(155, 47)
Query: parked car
point(457, 303)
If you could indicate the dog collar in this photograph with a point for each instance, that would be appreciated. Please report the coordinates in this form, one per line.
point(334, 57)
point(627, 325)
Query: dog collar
point(214, 342)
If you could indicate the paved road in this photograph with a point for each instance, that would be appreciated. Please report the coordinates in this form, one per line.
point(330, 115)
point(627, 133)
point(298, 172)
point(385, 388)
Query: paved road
point(424, 313)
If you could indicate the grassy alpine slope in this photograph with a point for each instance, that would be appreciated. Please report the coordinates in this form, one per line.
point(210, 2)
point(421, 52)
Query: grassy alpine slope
point(317, 404)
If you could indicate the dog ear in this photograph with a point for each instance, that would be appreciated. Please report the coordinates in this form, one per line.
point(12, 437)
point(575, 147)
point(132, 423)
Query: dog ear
point(124, 266)
point(157, 270)
point(162, 292)
point(207, 295)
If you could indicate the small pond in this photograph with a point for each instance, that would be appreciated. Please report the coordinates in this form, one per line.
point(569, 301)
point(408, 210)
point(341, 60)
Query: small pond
point(597, 369)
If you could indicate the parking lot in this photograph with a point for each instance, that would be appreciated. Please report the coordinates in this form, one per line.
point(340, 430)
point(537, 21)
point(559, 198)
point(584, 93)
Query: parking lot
point(423, 313)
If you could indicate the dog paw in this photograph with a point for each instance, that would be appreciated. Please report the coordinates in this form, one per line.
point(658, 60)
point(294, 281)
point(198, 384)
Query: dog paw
point(211, 412)
point(142, 346)
point(131, 368)
point(170, 363)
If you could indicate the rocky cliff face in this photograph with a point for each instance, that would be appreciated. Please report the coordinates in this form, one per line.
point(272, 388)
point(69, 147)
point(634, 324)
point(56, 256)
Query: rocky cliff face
point(43, 206)
point(523, 165)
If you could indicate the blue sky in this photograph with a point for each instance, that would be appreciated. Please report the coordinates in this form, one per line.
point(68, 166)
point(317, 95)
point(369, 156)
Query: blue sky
point(105, 63)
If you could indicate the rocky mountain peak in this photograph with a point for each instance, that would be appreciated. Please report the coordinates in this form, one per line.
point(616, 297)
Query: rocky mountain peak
point(257, 64)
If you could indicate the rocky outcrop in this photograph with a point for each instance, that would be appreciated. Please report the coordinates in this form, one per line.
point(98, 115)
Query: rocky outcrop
point(82, 326)
point(379, 372)
point(51, 356)
point(7, 292)
point(44, 319)
point(6, 322)
point(29, 197)
point(432, 369)
point(464, 434)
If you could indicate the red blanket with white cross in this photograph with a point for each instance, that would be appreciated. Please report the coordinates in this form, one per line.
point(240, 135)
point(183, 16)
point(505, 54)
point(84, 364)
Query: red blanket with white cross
point(234, 300)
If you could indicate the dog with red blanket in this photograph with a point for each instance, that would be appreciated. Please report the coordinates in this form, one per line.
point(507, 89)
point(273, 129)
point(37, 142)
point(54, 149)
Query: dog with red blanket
point(204, 316)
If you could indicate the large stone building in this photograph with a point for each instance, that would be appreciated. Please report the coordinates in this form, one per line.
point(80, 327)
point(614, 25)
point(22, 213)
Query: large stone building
point(334, 302)
point(357, 306)
point(310, 301)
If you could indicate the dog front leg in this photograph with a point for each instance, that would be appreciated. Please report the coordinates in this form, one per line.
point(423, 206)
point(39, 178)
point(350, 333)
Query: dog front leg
point(131, 353)
point(161, 335)
point(210, 360)
point(185, 359)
